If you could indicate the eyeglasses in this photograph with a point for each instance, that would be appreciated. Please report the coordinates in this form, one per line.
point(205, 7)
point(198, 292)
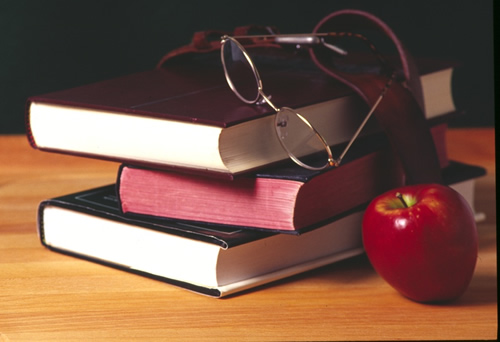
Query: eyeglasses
point(298, 137)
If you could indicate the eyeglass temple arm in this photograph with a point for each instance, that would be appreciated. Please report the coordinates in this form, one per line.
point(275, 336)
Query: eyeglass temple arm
point(267, 100)
point(309, 40)
point(362, 125)
point(298, 39)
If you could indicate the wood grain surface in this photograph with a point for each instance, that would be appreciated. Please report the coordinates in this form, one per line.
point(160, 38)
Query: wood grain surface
point(45, 296)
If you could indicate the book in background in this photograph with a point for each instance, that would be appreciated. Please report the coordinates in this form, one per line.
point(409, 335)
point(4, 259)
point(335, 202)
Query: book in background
point(187, 118)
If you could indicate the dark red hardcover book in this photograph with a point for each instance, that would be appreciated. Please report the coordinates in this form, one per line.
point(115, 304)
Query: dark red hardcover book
point(286, 198)
point(186, 117)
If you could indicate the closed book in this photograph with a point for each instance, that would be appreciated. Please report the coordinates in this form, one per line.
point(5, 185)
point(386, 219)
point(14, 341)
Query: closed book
point(208, 259)
point(186, 117)
point(287, 198)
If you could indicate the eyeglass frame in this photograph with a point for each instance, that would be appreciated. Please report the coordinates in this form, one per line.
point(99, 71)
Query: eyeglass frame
point(299, 40)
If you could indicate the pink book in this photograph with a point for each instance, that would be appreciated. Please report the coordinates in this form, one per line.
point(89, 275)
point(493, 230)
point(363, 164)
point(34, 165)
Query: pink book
point(286, 198)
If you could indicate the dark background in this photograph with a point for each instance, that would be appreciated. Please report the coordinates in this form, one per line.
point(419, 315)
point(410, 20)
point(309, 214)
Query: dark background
point(51, 45)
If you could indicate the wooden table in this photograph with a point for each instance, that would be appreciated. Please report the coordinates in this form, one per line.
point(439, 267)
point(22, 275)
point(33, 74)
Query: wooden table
point(48, 296)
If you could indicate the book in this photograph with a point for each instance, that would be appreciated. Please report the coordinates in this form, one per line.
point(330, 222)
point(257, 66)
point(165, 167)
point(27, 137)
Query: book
point(208, 259)
point(286, 198)
point(186, 117)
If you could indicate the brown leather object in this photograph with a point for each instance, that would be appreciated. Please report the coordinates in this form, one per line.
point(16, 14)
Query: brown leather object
point(401, 111)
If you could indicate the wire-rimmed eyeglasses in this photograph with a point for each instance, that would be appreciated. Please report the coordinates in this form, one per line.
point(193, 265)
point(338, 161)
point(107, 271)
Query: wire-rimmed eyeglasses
point(298, 137)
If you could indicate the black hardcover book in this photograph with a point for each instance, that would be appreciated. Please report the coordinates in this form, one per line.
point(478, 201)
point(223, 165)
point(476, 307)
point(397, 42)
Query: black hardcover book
point(204, 258)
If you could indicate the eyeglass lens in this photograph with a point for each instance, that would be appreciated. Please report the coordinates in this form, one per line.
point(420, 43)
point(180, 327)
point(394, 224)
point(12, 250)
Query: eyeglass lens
point(300, 140)
point(240, 73)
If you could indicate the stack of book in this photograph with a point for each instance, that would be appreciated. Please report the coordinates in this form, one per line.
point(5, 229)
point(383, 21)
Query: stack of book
point(205, 197)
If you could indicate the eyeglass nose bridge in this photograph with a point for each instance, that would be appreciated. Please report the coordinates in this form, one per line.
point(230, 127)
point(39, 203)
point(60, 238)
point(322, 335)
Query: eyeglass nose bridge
point(265, 99)
point(262, 101)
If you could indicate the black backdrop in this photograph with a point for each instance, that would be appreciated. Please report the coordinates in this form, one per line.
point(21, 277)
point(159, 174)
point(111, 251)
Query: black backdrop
point(50, 45)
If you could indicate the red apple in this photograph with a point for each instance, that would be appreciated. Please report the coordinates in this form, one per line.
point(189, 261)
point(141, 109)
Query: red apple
point(422, 239)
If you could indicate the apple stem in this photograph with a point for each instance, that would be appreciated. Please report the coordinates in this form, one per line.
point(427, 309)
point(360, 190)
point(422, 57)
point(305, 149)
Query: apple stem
point(400, 196)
